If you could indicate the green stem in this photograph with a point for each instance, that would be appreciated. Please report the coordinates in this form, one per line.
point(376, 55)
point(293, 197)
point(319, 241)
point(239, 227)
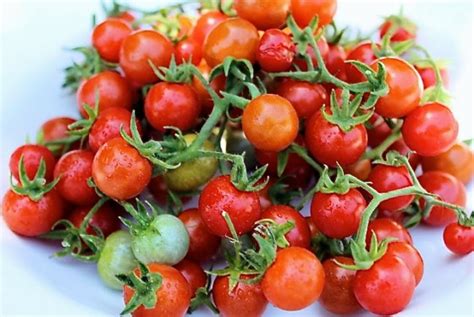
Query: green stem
point(91, 213)
point(382, 147)
point(304, 155)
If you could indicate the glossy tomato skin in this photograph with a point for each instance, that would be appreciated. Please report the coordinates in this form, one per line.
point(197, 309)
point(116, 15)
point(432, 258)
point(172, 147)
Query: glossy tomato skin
point(300, 235)
point(459, 239)
point(338, 215)
point(188, 50)
point(385, 178)
point(404, 88)
point(364, 53)
point(400, 34)
point(32, 155)
point(303, 11)
point(335, 61)
point(457, 161)
point(330, 145)
point(305, 97)
point(428, 76)
point(108, 36)
point(448, 189)
point(378, 130)
point(409, 255)
point(270, 123)
point(234, 37)
point(193, 273)
point(74, 169)
point(203, 245)
point(206, 23)
point(430, 130)
point(338, 292)
point(138, 49)
point(119, 170)
point(55, 129)
point(360, 169)
point(221, 195)
point(276, 51)
point(264, 14)
point(217, 84)
point(283, 280)
point(112, 89)
point(387, 228)
point(389, 276)
point(106, 218)
point(170, 104)
point(244, 300)
point(29, 218)
point(173, 297)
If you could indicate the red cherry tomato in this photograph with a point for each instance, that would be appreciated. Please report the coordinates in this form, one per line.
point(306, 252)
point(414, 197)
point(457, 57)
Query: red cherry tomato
point(397, 216)
point(430, 130)
point(360, 169)
point(335, 61)
point(32, 155)
point(55, 129)
point(109, 88)
point(401, 147)
point(206, 23)
point(276, 51)
point(428, 76)
point(305, 10)
point(338, 215)
point(387, 228)
point(217, 84)
point(364, 53)
point(409, 255)
point(170, 104)
point(188, 50)
point(108, 36)
point(401, 34)
point(264, 14)
point(193, 273)
point(378, 131)
point(459, 239)
point(106, 218)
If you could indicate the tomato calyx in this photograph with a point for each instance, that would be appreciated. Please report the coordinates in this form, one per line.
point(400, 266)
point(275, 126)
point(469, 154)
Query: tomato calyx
point(143, 215)
point(341, 184)
point(173, 73)
point(202, 296)
point(145, 288)
point(224, 6)
point(115, 9)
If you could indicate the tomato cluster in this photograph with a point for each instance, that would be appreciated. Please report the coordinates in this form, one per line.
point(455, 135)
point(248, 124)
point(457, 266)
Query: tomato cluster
point(257, 108)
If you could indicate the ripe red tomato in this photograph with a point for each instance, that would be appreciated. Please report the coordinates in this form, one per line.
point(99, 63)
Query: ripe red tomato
point(409, 255)
point(111, 89)
point(457, 161)
point(304, 10)
point(389, 276)
point(401, 34)
point(276, 116)
point(378, 131)
point(338, 292)
point(305, 97)
point(330, 145)
point(173, 297)
point(276, 51)
point(449, 190)
point(193, 273)
point(221, 195)
point(203, 245)
point(293, 268)
point(364, 53)
point(335, 61)
point(385, 178)
point(170, 104)
point(233, 37)
point(404, 88)
point(428, 76)
point(430, 130)
point(32, 218)
point(74, 169)
point(217, 84)
point(188, 50)
point(401, 147)
point(138, 49)
point(360, 169)
point(32, 155)
point(119, 171)
point(244, 300)
point(206, 23)
point(106, 218)
point(459, 239)
point(300, 235)
point(264, 14)
point(55, 129)
point(108, 36)
point(387, 228)
point(338, 215)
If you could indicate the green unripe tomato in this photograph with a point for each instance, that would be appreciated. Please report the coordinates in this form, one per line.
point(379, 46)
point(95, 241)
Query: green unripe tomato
point(164, 241)
point(190, 175)
point(116, 258)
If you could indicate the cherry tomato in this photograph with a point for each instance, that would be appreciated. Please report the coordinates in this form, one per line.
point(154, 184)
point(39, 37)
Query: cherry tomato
point(409, 255)
point(430, 130)
point(32, 218)
point(387, 228)
point(401, 34)
point(404, 88)
point(32, 155)
point(385, 178)
point(244, 300)
point(173, 297)
point(203, 245)
point(217, 84)
point(193, 273)
point(106, 219)
point(119, 171)
point(364, 53)
point(457, 161)
point(397, 215)
point(335, 61)
point(235, 37)
point(276, 51)
point(221, 195)
point(55, 129)
point(389, 276)
point(109, 88)
point(428, 76)
point(459, 239)
point(206, 23)
point(338, 215)
point(126, 16)
point(378, 130)
point(108, 36)
point(305, 10)
point(360, 169)
point(138, 50)
point(338, 292)
point(188, 50)
point(264, 14)
point(449, 190)
point(330, 145)
point(74, 169)
point(283, 280)
point(305, 97)
point(270, 123)
point(401, 147)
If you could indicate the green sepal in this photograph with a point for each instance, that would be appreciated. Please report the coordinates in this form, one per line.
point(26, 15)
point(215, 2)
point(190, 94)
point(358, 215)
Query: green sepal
point(282, 194)
point(282, 161)
point(341, 184)
point(202, 296)
point(143, 215)
point(173, 73)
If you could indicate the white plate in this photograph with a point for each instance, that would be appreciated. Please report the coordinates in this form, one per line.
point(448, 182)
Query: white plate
point(34, 34)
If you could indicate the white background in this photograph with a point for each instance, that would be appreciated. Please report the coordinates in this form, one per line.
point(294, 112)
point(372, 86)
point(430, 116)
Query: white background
point(34, 35)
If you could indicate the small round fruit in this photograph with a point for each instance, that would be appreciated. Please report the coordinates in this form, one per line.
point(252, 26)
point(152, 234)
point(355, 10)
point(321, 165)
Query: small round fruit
point(108, 36)
point(32, 155)
point(305, 10)
point(264, 14)
point(459, 239)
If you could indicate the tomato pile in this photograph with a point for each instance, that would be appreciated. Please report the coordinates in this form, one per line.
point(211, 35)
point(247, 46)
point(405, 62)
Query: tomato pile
point(257, 108)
